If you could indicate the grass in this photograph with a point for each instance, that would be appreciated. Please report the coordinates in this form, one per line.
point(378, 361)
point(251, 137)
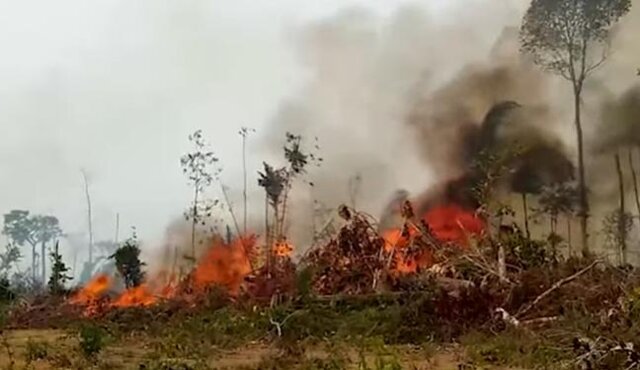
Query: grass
point(420, 330)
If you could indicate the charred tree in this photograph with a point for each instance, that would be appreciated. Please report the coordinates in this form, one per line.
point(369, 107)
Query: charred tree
point(634, 175)
point(622, 229)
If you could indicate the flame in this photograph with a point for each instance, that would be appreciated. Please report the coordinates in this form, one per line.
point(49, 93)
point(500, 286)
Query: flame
point(170, 289)
point(136, 296)
point(282, 248)
point(453, 224)
point(93, 290)
point(225, 264)
point(396, 241)
point(449, 224)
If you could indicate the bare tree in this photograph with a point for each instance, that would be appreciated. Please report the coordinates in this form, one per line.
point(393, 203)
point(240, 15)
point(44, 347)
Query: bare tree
point(89, 218)
point(244, 133)
point(569, 38)
point(197, 166)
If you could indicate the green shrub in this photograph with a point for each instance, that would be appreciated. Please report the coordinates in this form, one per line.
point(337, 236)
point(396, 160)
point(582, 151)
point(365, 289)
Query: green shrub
point(91, 340)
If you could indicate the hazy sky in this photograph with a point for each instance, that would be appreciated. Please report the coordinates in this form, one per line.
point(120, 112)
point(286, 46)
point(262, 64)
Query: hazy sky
point(115, 87)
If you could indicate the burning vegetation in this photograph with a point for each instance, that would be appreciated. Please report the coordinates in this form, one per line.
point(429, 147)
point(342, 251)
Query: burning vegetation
point(454, 259)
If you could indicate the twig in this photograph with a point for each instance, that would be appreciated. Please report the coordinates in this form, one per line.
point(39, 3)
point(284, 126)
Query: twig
point(279, 325)
point(556, 286)
point(484, 267)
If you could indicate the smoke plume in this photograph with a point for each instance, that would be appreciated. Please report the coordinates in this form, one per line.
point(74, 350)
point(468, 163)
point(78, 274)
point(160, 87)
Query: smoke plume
point(411, 101)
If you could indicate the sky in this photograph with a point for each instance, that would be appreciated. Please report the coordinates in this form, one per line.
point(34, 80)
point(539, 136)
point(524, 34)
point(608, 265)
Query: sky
point(114, 87)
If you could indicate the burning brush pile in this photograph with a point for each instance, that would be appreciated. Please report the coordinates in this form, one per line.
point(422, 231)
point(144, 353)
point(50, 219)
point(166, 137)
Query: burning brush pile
point(357, 260)
point(362, 260)
point(417, 238)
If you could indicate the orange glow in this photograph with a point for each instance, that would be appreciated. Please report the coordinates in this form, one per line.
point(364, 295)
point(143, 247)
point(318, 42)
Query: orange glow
point(225, 264)
point(137, 296)
point(282, 249)
point(396, 239)
point(448, 223)
point(453, 224)
point(93, 290)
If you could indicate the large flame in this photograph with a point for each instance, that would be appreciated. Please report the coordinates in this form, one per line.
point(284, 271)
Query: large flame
point(450, 224)
point(225, 264)
point(453, 224)
point(93, 290)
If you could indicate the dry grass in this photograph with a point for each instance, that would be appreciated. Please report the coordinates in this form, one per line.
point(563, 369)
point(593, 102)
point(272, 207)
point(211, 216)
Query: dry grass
point(137, 353)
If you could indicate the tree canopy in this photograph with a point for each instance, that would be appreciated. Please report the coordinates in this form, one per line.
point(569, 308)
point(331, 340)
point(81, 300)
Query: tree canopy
point(561, 34)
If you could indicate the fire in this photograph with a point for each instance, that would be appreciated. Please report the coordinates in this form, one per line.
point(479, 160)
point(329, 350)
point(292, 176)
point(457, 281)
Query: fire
point(225, 264)
point(453, 224)
point(397, 241)
point(282, 249)
point(137, 296)
point(94, 289)
point(450, 224)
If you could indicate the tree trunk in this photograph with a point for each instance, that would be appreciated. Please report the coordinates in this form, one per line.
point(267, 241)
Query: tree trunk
point(75, 265)
point(553, 226)
point(267, 234)
point(194, 220)
point(244, 179)
point(526, 215)
point(569, 235)
point(117, 236)
point(43, 265)
point(635, 181)
point(584, 204)
point(622, 228)
point(88, 196)
point(33, 262)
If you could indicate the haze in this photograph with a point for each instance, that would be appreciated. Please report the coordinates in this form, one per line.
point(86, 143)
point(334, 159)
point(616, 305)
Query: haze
point(114, 87)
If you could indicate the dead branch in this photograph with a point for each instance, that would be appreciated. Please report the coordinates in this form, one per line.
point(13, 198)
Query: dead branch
point(556, 286)
point(279, 325)
point(486, 268)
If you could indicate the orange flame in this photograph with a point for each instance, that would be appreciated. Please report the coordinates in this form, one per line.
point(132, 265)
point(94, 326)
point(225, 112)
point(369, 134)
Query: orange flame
point(282, 248)
point(452, 224)
point(93, 290)
point(449, 224)
point(225, 264)
point(137, 296)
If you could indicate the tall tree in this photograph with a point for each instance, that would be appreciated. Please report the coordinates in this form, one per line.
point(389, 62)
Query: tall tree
point(570, 38)
point(198, 167)
point(244, 133)
point(89, 217)
point(26, 229)
point(48, 231)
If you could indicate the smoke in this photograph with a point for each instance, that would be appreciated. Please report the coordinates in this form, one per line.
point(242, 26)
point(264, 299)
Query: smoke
point(372, 84)
point(408, 103)
point(620, 121)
